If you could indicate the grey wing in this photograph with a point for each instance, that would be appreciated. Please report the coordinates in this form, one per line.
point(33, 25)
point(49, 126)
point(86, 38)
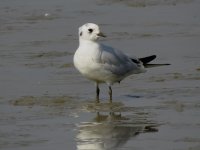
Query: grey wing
point(118, 63)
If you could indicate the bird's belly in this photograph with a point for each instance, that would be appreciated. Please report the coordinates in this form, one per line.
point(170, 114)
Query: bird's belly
point(96, 72)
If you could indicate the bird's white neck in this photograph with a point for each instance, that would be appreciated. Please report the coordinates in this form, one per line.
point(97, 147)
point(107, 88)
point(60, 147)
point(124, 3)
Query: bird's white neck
point(83, 42)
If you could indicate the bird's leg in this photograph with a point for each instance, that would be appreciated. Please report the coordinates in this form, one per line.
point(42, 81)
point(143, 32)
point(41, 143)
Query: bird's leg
point(110, 93)
point(97, 92)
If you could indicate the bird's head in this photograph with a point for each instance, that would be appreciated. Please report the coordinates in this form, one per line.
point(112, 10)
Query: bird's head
point(90, 31)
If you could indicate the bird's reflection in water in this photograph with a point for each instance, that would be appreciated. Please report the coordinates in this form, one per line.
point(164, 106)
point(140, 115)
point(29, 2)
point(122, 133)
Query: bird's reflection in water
point(110, 131)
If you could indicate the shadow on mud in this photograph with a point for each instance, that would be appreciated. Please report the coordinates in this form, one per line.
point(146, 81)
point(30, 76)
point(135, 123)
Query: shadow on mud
point(111, 130)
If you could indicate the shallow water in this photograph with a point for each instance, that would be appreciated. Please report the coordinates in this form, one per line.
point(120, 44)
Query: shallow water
point(46, 104)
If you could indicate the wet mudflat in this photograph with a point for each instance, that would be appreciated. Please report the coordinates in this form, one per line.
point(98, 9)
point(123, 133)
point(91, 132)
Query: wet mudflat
point(46, 104)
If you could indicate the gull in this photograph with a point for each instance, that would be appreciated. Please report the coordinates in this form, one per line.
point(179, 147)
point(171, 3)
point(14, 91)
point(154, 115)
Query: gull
point(104, 64)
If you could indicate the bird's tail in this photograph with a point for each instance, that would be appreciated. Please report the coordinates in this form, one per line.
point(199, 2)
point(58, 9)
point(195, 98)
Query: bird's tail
point(146, 60)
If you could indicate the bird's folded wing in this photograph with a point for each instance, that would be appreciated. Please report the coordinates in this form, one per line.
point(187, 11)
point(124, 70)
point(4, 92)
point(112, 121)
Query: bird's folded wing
point(116, 61)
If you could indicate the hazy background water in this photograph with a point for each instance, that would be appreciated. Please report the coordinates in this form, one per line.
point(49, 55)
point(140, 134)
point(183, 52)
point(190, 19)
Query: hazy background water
point(46, 104)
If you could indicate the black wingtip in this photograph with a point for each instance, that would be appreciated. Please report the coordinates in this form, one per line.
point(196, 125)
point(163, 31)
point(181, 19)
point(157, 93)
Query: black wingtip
point(155, 65)
point(147, 59)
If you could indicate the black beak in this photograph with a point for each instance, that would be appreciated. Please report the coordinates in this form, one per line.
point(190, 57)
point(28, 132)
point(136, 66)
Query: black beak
point(101, 34)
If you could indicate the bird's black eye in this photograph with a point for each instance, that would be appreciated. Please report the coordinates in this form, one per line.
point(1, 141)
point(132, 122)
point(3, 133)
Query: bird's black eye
point(90, 30)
